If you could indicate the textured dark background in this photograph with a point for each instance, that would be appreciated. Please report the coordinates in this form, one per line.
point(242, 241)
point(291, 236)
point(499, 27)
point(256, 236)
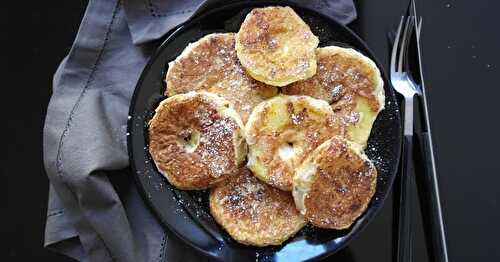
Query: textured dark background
point(462, 70)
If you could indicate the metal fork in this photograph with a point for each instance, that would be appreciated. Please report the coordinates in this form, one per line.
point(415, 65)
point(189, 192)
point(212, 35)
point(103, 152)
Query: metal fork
point(401, 82)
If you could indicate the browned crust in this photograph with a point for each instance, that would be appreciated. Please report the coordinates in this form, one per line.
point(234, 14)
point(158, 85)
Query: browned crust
point(253, 212)
point(312, 134)
point(342, 186)
point(215, 157)
point(338, 80)
point(261, 40)
point(211, 64)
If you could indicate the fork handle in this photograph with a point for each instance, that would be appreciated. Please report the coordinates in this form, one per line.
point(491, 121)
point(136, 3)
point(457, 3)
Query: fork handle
point(433, 218)
point(404, 243)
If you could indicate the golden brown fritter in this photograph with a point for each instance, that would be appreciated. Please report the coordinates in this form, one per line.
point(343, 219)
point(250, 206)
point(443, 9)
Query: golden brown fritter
point(254, 213)
point(282, 131)
point(335, 184)
point(211, 64)
point(276, 46)
point(351, 83)
point(196, 140)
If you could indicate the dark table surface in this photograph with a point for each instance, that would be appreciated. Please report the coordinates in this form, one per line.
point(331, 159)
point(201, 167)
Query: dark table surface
point(462, 71)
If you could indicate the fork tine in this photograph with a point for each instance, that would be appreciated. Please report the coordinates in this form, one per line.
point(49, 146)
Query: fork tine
point(419, 27)
point(403, 50)
point(395, 46)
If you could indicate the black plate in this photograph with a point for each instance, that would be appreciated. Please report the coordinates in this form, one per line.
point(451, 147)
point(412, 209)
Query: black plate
point(186, 213)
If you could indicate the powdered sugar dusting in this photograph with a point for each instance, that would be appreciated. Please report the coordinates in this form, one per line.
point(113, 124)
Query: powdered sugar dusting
point(218, 146)
point(247, 197)
point(211, 64)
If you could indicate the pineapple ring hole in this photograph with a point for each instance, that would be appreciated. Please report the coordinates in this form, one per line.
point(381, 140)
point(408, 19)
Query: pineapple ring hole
point(286, 151)
point(190, 142)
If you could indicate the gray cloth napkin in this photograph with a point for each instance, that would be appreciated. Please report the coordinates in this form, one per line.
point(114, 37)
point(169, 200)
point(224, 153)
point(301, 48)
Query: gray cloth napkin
point(95, 212)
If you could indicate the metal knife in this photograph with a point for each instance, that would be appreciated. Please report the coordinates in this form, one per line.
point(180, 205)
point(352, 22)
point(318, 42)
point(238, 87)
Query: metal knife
point(433, 217)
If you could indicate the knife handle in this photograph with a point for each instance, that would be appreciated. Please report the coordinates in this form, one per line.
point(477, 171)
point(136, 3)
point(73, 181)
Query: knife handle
point(432, 213)
point(404, 240)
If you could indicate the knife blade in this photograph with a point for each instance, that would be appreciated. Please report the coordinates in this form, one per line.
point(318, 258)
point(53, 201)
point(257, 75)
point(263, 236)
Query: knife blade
point(432, 208)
